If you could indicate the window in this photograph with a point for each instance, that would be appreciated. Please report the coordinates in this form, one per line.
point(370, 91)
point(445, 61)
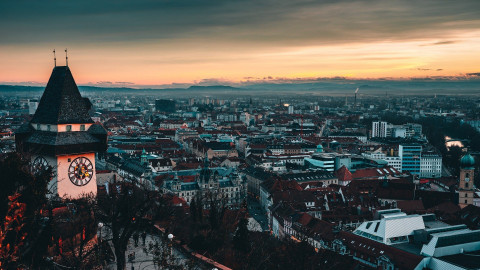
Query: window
point(376, 226)
point(38, 126)
point(48, 127)
point(465, 201)
point(82, 127)
point(69, 127)
point(467, 175)
point(466, 185)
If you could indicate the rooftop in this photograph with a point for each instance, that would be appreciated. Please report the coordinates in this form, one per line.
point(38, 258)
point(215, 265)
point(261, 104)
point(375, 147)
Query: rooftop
point(61, 102)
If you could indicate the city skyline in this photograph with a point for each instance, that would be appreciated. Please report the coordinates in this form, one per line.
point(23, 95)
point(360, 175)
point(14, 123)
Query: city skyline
point(188, 42)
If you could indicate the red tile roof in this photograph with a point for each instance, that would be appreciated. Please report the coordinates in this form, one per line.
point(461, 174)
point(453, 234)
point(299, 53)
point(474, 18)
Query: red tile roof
point(344, 174)
point(375, 172)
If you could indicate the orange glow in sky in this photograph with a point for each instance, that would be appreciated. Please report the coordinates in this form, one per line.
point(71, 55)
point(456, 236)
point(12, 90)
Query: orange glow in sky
point(296, 46)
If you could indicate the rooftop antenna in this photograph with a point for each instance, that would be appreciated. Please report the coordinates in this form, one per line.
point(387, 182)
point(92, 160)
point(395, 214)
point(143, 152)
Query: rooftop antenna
point(66, 57)
point(54, 58)
point(356, 91)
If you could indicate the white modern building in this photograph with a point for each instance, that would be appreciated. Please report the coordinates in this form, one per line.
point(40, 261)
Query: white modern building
point(393, 227)
point(379, 129)
point(443, 246)
point(291, 109)
point(394, 161)
point(322, 161)
point(431, 165)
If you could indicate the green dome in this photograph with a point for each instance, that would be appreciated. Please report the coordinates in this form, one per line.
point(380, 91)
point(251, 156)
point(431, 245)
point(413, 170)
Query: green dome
point(319, 148)
point(467, 162)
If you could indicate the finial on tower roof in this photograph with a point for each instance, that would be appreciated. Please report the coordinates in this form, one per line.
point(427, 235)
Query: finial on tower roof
point(54, 58)
point(66, 57)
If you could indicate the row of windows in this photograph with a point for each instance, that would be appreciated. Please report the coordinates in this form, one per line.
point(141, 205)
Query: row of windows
point(68, 127)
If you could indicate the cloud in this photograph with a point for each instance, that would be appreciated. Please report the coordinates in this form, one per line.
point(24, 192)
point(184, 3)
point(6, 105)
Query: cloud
point(429, 69)
point(213, 81)
point(130, 83)
point(445, 42)
point(283, 22)
point(476, 74)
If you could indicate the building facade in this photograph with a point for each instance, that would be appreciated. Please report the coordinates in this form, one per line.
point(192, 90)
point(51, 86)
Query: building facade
point(466, 188)
point(379, 129)
point(431, 165)
point(411, 155)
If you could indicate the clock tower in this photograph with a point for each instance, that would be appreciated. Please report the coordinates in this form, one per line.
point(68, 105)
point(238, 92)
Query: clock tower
point(466, 189)
point(62, 135)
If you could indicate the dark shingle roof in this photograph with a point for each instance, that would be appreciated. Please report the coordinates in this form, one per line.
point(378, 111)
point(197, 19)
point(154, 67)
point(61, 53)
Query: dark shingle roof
point(61, 102)
point(458, 239)
point(97, 129)
point(61, 138)
point(53, 143)
point(134, 167)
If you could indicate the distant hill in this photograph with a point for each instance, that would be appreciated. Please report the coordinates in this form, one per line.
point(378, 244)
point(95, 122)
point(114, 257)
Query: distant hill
point(20, 88)
point(212, 87)
point(318, 87)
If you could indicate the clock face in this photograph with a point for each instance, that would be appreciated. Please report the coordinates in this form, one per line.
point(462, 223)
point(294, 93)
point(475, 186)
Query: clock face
point(467, 179)
point(39, 165)
point(80, 171)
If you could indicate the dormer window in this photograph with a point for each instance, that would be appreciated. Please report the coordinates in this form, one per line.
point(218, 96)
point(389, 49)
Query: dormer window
point(69, 127)
point(82, 127)
point(48, 127)
point(38, 126)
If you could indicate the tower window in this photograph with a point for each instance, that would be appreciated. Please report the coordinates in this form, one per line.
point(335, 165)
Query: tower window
point(69, 127)
point(82, 127)
point(467, 175)
point(466, 185)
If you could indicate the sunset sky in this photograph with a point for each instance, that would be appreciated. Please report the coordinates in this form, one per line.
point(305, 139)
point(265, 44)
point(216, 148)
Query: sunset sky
point(151, 43)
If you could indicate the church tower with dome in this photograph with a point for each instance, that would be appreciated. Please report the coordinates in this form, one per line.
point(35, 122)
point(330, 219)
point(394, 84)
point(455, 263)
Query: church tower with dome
point(466, 189)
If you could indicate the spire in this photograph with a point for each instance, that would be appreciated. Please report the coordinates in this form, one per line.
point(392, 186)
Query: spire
point(205, 172)
point(54, 58)
point(66, 58)
point(143, 158)
point(206, 162)
point(61, 102)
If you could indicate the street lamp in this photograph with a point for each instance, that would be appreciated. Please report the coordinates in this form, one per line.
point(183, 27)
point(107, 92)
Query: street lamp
point(100, 226)
point(170, 240)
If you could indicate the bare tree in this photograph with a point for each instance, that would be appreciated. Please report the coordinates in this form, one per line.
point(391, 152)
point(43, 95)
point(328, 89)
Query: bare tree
point(125, 210)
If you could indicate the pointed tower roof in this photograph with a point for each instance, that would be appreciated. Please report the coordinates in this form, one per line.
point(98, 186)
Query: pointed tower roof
point(61, 102)
point(344, 174)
